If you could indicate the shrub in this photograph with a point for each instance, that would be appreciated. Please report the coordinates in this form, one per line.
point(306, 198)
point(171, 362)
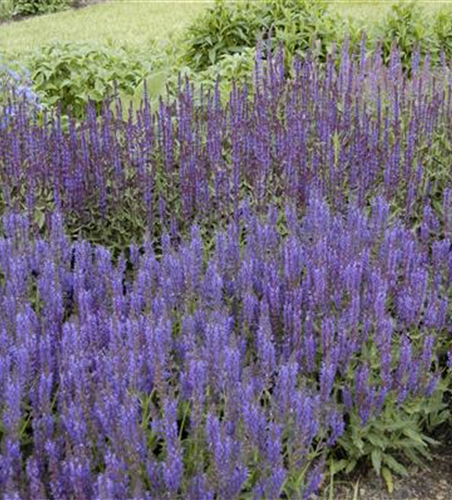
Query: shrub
point(6, 10)
point(33, 7)
point(71, 75)
point(301, 26)
point(442, 27)
point(231, 69)
point(227, 29)
point(222, 30)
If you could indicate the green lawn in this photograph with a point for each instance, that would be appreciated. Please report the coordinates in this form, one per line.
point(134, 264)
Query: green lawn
point(137, 21)
point(128, 21)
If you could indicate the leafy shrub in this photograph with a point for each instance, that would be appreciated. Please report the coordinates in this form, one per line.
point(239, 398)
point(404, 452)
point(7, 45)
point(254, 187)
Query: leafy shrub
point(407, 27)
point(33, 7)
point(71, 75)
point(222, 30)
point(302, 25)
point(229, 70)
point(227, 29)
point(6, 10)
point(236, 68)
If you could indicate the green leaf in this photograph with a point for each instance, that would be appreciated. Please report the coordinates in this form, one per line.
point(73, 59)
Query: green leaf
point(396, 466)
point(156, 84)
point(387, 476)
point(351, 465)
point(376, 461)
point(338, 466)
point(40, 219)
point(376, 440)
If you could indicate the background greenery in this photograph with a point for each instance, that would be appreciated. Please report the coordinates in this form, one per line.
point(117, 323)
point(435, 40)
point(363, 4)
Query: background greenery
point(139, 22)
point(76, 55)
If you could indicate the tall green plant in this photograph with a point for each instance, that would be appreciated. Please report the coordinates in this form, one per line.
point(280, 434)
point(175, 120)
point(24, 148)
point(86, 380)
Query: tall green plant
point(442, 27)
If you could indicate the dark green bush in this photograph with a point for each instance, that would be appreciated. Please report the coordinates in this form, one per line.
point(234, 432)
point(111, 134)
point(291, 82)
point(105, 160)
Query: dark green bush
point(442, 28)
point(223, 30)
point(301, 25)
point(33, 7)
point(6, 9)
point(227, 29)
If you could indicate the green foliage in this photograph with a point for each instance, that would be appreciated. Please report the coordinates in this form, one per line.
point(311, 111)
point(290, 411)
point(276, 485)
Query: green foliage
point(301, 25)
point(235, 67)
point(230, 68)
point(442, 28)
point(6, 9)
point(34, 7)
point(71, 75)
point(228, 29)
point(223, 29)
point(407, 27)
point(399, 434)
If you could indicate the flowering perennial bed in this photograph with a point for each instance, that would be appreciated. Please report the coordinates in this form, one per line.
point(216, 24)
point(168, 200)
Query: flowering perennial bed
point(285, 306)
point(209, 378)
point(344, 131)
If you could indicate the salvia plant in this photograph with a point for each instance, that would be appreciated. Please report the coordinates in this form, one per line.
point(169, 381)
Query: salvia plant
point(347, 132)
point(227, 299)
point(235, 374)
point(15, 86)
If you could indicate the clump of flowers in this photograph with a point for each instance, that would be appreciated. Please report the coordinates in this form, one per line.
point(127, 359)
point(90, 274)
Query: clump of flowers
point(15, 88)
point(179, 377)
point(347, 131)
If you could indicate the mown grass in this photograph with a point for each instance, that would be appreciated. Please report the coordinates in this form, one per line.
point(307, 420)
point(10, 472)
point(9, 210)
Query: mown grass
point(129, 22)
point(137, 22)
